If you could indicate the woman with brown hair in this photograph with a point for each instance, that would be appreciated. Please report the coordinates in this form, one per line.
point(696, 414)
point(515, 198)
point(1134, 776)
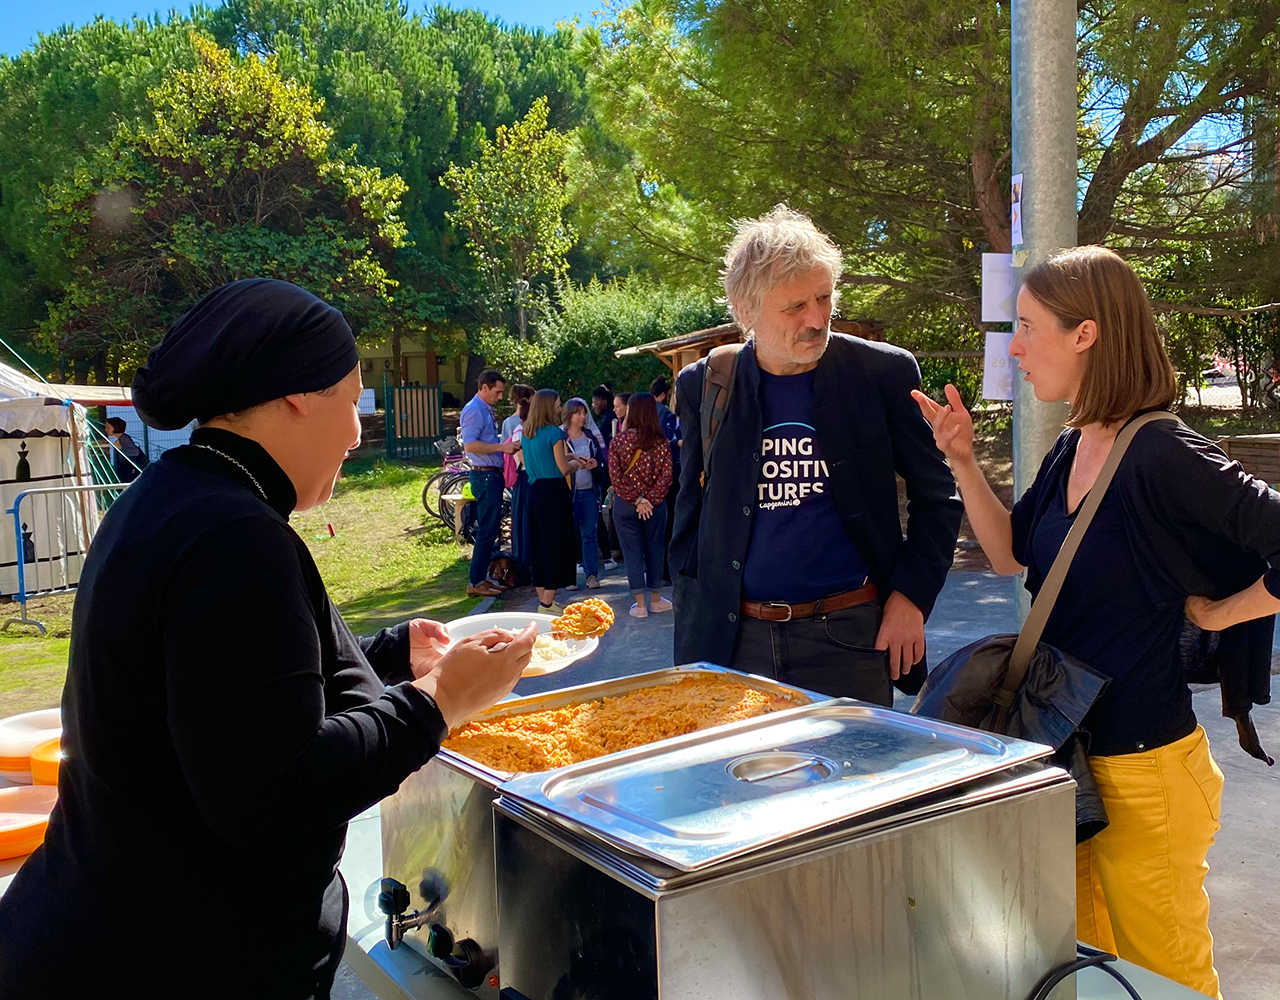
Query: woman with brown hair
point(640, 470)
point(553, 540)
point(1182, 535)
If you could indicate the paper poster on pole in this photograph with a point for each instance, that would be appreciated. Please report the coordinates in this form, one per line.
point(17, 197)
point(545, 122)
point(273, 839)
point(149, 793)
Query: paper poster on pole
point(997, 367)
point(1015, 215)
point(997, 288)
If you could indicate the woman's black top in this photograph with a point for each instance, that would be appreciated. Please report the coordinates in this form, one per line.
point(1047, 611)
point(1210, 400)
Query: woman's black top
point(1175, 502)
point(221, 726)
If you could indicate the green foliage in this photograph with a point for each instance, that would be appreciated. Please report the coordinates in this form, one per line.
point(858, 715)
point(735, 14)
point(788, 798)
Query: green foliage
point(232, 175)
point(888, 121)
point(413, 94)
point(511, 201)
point(59, 102)
point(595, 319)
point(518, 360)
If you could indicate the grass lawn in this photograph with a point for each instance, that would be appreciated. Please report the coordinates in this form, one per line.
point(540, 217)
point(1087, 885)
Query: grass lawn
point(387, 562)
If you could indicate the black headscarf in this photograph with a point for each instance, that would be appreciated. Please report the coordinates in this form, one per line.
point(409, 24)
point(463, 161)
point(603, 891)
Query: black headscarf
point(243, 344)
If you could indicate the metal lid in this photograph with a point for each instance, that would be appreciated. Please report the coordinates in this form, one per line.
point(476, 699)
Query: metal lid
point(701, 799)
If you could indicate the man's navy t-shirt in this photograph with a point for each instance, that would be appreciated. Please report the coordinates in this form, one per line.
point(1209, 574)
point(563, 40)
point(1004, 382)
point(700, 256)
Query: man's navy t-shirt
point(798, 550)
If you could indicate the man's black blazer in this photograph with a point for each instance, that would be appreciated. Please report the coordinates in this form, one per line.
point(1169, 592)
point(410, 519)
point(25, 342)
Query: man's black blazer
point(868, 427)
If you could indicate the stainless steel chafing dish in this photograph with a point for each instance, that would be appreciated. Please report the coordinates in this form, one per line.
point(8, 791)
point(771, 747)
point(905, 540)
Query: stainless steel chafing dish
point(832, 851)
point(437, 833)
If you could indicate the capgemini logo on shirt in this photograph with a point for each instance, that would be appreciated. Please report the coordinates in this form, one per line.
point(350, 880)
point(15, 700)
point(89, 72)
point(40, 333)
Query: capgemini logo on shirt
point(792, 468)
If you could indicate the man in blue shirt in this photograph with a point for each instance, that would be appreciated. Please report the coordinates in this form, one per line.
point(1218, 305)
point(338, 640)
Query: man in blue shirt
point(478, 429)
point(788, 548)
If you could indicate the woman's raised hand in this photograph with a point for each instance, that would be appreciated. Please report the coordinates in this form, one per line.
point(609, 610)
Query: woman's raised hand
point(952, 425)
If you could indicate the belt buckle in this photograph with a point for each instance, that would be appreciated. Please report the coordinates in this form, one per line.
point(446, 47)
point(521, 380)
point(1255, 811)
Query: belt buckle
point(780, 604)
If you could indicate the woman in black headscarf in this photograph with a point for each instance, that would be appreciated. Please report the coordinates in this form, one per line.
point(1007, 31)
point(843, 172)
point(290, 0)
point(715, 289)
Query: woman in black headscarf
point(221, 723)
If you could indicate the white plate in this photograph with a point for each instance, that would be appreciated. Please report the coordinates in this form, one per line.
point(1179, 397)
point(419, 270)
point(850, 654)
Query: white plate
point(19, 735)
point(460, 628)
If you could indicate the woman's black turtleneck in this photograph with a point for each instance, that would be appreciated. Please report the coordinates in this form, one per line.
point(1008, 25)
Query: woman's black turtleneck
point(221, 726)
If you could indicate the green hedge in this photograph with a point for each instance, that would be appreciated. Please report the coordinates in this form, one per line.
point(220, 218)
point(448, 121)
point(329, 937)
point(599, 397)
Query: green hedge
point(589, 322)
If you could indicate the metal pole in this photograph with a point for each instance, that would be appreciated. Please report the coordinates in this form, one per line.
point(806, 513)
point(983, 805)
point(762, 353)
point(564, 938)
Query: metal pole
point(1044, 153)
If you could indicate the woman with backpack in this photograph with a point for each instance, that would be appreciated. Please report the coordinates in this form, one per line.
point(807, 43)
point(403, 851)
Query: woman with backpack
point(584, 441)
point(1182, 535)
point(640, 470)
point(553, 542)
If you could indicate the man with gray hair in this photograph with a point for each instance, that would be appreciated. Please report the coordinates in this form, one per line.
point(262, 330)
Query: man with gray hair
point(788, 549)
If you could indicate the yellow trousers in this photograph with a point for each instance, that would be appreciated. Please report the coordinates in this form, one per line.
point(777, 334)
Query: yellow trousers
point(1140, 882)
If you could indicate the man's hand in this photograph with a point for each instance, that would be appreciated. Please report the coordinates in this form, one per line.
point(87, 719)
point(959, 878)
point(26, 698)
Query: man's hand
point(902, 634)
point(423, 653)
point(509, 447)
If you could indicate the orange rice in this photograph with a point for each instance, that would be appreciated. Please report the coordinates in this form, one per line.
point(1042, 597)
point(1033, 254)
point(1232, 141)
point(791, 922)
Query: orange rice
point(554, 737)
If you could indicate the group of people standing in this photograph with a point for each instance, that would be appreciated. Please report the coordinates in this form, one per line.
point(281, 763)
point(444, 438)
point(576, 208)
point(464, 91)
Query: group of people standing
point(588, 481)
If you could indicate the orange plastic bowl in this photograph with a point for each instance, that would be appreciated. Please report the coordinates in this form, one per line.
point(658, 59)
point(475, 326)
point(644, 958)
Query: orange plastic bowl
point(45, 758)
point(24, 815)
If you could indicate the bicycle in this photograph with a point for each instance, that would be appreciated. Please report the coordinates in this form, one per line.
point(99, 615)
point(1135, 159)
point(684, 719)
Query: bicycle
point(450, 481)
point(456, 465)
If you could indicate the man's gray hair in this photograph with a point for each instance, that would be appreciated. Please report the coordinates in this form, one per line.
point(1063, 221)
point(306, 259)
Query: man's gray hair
point(774, 248)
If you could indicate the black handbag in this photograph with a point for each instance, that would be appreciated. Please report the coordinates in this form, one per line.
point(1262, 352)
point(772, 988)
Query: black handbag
point(1016, 685)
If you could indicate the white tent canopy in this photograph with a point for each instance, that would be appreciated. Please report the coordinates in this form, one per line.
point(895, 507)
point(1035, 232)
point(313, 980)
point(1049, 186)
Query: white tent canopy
point(15, 385)
point(43, 444)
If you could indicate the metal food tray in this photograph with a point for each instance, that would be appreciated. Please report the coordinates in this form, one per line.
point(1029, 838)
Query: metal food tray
point(608, 689)
point(698, 800)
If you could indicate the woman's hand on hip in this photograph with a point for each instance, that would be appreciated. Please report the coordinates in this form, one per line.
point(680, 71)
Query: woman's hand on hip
point(1255, 601)
point(477, 672)
point(952, 425)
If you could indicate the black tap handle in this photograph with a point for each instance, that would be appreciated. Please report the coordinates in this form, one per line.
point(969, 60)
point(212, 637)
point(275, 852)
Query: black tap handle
point(393, 899)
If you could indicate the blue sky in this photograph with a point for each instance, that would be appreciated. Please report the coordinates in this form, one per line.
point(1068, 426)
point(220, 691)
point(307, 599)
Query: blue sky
point(22, 20)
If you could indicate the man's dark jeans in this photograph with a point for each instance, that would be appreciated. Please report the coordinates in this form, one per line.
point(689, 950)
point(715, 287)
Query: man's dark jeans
point(486, 486)
point(832, 654)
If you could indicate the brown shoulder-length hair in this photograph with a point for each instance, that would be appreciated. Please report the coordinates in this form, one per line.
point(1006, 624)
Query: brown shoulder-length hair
point(1127, 369)
point(544, 409)
point(642, 417)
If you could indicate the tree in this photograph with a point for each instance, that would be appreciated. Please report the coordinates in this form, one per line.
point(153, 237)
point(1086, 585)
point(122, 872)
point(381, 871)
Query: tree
point(511, 202)
point(889, 122)
point(413, 94)
point(59, 102)
point(232, 174)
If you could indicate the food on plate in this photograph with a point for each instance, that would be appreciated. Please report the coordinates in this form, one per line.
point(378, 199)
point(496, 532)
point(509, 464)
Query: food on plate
point(547, 647)
point(585, 618)
point(554, 737)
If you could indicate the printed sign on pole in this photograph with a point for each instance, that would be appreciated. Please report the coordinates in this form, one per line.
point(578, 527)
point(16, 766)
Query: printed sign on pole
point(997, 367)
point(997, 288)
point(1015, 215)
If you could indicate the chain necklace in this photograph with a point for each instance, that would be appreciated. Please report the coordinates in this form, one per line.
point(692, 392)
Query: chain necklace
point(256, 485)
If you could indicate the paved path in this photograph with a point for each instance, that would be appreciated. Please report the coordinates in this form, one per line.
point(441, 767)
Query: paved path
point(1244, 883)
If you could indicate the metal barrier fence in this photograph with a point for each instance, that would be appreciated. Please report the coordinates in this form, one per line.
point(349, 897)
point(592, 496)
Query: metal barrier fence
point(414, 420)
point(52, 529)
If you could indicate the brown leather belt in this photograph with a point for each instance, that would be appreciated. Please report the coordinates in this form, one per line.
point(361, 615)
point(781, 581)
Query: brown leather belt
point(777, 611)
